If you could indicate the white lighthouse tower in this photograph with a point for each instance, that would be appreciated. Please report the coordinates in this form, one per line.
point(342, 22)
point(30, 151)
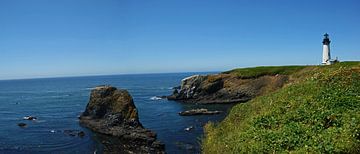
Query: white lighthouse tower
point(326, 60)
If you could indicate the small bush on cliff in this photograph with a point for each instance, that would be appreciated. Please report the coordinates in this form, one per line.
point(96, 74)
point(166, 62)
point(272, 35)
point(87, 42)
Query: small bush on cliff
point(320, 114)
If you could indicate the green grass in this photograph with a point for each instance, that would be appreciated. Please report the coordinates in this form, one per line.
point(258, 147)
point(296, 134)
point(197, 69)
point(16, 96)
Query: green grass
point(318, 114)
point(255, 72)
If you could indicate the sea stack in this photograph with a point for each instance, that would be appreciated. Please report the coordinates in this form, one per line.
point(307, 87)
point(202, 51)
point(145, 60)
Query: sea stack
point(112, 113)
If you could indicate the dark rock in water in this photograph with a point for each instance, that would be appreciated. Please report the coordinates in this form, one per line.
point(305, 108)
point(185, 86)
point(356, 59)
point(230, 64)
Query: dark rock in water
point(176, 92)
point(177, 87)
point(29, 118)
point(162, 97)
point(70, 132)
point(81, 134)
point(225, 88)
point(78, 133)
point(116, 145)
point(198, 112)
point(22, 125)
point(112, 112)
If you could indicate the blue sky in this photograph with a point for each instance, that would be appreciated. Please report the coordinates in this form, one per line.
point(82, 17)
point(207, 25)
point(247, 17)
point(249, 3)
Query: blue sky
point(43, 38)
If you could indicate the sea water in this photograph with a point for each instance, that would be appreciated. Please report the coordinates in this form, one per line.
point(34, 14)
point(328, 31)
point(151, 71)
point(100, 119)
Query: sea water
point(58, 102)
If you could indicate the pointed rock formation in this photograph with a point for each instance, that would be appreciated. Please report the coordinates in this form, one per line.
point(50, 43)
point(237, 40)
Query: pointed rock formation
point(112, 112)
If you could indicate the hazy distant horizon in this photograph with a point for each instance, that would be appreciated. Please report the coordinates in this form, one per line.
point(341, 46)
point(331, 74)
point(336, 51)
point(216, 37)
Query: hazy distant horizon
point(96, 75)
point(138, 73)
point(88, 37)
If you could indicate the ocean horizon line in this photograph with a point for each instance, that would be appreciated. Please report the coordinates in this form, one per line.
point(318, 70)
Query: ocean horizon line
point(99, 75)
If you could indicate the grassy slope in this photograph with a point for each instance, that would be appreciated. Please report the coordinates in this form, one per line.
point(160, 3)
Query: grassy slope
point(255, 72)
point(318, 112)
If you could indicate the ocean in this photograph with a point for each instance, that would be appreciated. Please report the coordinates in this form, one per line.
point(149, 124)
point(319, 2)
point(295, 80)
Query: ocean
point(58, 102)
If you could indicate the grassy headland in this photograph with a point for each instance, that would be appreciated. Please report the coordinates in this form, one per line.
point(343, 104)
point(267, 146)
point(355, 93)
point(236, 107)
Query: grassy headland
point(317, 112)
point(254, 72)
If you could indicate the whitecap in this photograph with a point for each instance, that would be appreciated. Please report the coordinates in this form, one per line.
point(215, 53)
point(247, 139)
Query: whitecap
point(155, 98)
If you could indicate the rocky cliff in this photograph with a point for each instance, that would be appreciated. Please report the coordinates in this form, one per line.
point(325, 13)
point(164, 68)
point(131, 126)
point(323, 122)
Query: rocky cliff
point(112, 112)
point(225, 88)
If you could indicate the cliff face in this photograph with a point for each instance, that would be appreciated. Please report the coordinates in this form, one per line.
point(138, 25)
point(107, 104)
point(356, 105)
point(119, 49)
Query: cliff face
point(225, 88)
point(112, 112)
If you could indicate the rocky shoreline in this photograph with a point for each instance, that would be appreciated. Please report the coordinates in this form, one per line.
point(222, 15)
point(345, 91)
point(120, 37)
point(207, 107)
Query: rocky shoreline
point(225, 88)
point(111, 112)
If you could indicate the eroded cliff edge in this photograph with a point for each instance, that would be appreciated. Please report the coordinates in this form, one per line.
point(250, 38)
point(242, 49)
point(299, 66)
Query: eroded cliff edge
point(112, 112)
point(233, 86)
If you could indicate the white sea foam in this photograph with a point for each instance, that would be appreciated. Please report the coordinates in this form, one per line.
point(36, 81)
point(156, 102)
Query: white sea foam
point(155, 98)
point(92, 88)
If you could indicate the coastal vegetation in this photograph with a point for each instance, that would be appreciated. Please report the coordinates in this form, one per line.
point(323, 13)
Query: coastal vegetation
point(254, 72)
point(317, 111)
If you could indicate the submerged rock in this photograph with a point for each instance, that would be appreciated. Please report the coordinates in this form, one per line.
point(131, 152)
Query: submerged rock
point(81, 134)
point(187, 146)
point(112, 112)
point(198, 112)
point(22, 125)
point(78, 133)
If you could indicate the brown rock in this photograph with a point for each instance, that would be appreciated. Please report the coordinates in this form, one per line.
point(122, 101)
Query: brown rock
point(112, 112)
point(225, 88)
point(198, 112)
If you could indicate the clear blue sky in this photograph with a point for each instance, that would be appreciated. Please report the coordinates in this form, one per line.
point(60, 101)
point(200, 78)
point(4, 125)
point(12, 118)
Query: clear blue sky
point(48, 38)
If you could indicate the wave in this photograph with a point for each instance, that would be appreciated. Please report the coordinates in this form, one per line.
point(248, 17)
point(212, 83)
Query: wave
point(92, 88)
point(155, 98)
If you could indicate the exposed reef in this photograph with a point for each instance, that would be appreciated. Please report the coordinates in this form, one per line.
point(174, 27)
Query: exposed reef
point(111, 112)
point(198, 112)
point(225, 88)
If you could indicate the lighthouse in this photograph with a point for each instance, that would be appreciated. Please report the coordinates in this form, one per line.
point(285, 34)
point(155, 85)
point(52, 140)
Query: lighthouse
point(326, 60)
